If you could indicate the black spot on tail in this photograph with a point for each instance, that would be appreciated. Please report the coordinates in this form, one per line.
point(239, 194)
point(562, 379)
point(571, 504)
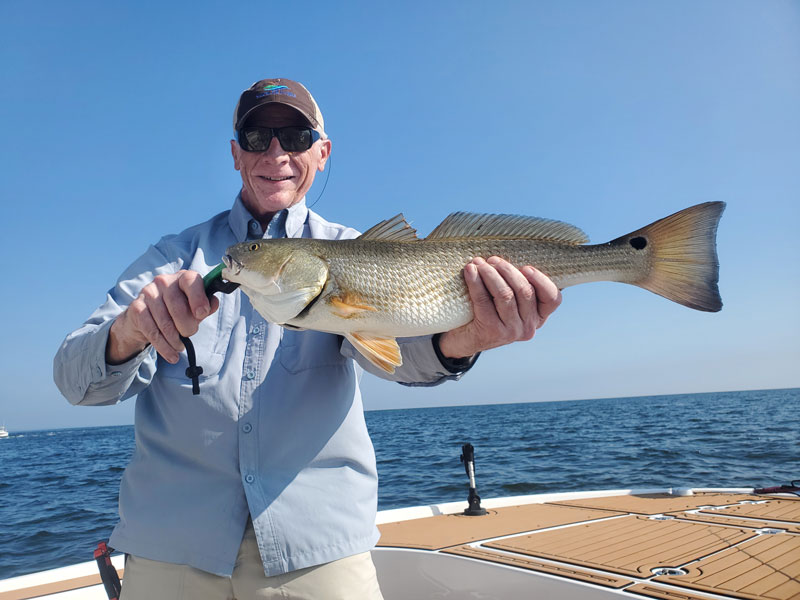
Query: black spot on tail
point(639, 242)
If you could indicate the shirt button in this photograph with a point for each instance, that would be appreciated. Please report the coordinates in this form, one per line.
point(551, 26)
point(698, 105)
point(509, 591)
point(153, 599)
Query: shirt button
point(251, 375)
point(256, 329)
point(247, 428)
point(249, 479)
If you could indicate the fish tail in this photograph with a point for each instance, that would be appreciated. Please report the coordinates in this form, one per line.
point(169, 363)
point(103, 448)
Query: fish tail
point(683, 265)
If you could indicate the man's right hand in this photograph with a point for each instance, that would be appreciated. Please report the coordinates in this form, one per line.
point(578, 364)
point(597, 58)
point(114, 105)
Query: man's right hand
point(172, 305)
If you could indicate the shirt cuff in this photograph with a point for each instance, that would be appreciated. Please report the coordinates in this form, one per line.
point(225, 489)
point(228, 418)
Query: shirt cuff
point(109, 374)
point(454, 365)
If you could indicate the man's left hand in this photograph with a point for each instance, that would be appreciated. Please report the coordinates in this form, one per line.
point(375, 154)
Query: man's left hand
point(509, 305)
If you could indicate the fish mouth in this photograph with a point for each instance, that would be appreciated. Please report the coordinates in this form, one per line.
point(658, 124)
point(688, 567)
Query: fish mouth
point(233, 265)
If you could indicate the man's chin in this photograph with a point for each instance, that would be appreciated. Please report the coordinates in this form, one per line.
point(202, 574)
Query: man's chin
point(267, 204)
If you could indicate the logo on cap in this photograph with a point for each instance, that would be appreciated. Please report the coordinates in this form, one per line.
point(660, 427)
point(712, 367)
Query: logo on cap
point(276, 89)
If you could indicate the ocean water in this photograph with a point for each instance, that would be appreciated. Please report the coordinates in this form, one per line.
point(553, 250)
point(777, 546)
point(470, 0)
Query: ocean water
point(58, 489)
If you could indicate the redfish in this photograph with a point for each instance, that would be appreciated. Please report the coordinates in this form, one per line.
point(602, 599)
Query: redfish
point(388, 283)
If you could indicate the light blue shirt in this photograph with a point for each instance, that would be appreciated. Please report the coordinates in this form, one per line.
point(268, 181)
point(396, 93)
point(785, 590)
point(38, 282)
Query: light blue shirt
point(277, 431)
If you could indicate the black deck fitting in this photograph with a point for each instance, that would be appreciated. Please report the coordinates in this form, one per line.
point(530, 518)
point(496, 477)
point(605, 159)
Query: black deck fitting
point(468, 458)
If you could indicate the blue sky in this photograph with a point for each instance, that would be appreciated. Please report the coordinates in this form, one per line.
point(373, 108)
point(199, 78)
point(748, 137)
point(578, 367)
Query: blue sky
point(604, 114)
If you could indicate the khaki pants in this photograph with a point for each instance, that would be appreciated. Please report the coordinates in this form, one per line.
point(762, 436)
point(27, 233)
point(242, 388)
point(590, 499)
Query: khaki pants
point(351, 578)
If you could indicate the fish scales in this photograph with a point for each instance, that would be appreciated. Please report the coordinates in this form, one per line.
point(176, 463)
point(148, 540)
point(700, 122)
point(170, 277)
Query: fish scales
point(419, 285)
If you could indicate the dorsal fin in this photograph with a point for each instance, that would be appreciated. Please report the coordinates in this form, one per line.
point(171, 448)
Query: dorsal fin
point(476, 225)
point(395, 229)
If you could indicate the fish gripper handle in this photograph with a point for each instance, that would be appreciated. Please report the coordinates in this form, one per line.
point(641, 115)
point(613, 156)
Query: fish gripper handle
point(213, 283)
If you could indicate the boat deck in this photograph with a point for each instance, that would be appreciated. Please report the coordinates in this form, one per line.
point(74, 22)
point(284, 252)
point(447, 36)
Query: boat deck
point(699, 546)
point(664, 544)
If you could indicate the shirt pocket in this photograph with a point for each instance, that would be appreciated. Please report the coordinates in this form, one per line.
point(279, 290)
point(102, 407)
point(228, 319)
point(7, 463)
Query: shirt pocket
point(303, 350)
point(210, 345)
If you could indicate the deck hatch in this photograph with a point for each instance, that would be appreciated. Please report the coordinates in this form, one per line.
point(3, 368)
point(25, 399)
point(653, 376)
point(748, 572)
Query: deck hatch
point(774, 509)
point(764, 568)
point(632, 545)
point(773, 513)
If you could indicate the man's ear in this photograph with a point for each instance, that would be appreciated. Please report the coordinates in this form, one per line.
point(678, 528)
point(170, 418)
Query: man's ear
point(235, 153)
point(325, 153)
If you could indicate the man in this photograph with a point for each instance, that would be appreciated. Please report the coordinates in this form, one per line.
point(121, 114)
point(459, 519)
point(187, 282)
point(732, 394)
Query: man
point(265, 484)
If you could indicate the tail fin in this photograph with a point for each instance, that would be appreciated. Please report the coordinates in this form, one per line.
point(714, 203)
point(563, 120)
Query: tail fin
point(684, 266)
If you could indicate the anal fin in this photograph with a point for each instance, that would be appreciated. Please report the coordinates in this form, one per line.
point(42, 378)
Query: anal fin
point(383, 352)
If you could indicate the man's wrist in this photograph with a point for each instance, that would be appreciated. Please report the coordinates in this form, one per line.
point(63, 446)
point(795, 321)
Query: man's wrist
point(118, 349)
point(452, 346)
point(452, 364)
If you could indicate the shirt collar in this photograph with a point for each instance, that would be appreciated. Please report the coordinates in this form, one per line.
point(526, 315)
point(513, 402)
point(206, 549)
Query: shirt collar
point(288, 222)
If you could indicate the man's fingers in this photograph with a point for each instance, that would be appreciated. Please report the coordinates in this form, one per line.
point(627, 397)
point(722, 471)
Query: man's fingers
point(502, 307)
point(168, 308)
point(482, 302)
point(161, 316)
point(148, 327)
point(521, 307)
point(177, 305)
point(508, 304)
point(191, 283)
point(548, 296)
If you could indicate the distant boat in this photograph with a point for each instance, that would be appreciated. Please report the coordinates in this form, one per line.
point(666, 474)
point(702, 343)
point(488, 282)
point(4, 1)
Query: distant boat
point(3, 431)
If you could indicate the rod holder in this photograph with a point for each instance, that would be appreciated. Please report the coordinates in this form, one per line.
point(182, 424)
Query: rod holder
point(468, 458)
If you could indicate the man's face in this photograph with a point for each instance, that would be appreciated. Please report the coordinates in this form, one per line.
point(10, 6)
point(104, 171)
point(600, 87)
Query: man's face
point(277, 179)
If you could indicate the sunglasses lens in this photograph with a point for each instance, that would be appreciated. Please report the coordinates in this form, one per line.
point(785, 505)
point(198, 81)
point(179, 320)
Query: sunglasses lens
point(255, 139)
point(295, 139)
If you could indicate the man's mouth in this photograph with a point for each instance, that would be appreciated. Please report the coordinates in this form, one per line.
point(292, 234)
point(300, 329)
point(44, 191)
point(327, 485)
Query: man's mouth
point(287, 178)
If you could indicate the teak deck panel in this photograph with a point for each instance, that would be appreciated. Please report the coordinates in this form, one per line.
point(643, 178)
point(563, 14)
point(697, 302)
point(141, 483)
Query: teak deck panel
point(443, 531)
point(612, 542)
point(721, 519)
point(35, 591)
point(524, 562)
point(631, 545)
point(774, 509)
point(767, 566)
point(662, 593)
point(654, 504)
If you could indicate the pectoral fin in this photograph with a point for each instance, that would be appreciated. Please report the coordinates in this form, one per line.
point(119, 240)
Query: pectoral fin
point(349, 305)
point(383, 352)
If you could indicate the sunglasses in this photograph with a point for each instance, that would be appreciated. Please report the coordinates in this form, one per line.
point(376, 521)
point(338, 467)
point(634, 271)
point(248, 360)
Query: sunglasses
point(292, 139)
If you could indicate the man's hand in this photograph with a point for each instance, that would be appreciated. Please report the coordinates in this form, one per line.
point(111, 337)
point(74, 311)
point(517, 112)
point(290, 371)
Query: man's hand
point(509, 304)
point(170, 306)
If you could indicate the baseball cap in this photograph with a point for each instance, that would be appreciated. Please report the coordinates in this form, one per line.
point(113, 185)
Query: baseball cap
point(284, 91)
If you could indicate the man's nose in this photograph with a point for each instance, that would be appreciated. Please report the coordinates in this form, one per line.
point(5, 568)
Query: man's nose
point(274, 150)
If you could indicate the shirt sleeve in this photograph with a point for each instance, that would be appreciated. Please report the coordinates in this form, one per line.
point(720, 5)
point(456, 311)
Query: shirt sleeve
point(423, 363)
point(79, 368)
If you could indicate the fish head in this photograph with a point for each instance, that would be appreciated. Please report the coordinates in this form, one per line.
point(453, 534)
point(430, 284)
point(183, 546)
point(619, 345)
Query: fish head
point(281, 277)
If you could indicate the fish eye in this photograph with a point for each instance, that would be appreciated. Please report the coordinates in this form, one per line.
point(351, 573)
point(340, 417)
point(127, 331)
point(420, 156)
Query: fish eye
point(253, 247)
